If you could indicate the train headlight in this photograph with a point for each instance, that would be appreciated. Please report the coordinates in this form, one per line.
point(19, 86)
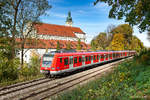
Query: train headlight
point(41, 71)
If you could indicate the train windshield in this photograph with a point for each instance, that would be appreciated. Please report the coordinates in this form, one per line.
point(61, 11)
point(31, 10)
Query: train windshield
point(47, 60)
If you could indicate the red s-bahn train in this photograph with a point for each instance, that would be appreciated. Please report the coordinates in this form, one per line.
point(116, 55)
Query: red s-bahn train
point(54, 63)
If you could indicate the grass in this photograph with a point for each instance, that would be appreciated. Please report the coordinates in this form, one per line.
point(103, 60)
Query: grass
point(129, 81)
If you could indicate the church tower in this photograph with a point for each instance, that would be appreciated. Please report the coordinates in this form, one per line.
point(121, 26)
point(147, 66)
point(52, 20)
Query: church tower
point(69, 21)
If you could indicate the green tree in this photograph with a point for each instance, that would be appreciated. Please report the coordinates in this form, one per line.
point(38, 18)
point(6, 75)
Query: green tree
point(79, 45)
point(23, 15)
point(149, 35)
point(135, 12)
point(101, 42)
point(93, 45)
point(136, 44)
point(58, 46)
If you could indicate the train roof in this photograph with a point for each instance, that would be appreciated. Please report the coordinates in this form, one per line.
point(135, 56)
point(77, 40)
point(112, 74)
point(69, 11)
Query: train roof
point(81, 53)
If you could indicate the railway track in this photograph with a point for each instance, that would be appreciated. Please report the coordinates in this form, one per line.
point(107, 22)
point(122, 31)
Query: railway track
point(46, 88)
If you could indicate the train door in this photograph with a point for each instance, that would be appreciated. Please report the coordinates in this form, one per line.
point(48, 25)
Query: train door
point(92, 60)
point(83, 60)
point(75, 61)
point(106, 56)
point(71, 62)
point(99, 58)
point(66, 62)
point(102, 57)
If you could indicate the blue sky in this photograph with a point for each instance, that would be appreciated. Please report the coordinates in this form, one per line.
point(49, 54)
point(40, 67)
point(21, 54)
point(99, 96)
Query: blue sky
point(91, 19)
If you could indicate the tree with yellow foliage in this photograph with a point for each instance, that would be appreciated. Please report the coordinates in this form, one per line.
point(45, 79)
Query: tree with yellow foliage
point(117, 42)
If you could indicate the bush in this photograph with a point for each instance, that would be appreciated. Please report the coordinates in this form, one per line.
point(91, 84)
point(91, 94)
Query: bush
point(32, 69)
point(143, 57)
point(8, 68)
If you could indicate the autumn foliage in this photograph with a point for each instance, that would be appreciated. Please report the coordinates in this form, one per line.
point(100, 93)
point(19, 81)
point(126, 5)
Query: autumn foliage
point(119, 38)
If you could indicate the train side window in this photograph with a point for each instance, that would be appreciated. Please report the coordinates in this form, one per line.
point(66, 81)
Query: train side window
point(106, 55)
point(97, 57)
point(80, 59)
point(75, 60)
point(71, 60)
point(94, 57)
point(60, 60)
point(66, 61)
point(113, 54)
point(89, 58)
point(86, 58)
point(102, 56)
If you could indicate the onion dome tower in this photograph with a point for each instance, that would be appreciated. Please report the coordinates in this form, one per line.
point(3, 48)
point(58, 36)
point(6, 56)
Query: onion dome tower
point(69, 21)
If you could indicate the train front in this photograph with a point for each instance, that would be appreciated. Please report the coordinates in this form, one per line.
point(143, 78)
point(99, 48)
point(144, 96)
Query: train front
point(46, 62)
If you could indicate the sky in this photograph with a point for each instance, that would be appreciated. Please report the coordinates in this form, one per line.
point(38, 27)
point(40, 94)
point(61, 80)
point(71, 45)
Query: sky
point(91, 19)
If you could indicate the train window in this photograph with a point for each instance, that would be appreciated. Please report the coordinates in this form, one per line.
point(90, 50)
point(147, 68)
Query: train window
point(110, 55)
point(86, 58)
point(102, 56)
point(89, 58)
point(97, 57)
point(80, 59)
point(60, 60)
point(71, 60)
point(113, 54)
point(94, 57)
point(75, 60)
point(66, 61)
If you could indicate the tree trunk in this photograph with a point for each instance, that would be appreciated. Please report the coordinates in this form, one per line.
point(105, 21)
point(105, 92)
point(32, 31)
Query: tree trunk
point(22, 54)
point(14, 30)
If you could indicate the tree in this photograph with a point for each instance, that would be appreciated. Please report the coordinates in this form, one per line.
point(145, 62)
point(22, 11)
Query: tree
point(58, 46)
point(5, 25)
point(93, 45)
point(109, 30)
point(68, 46)
point(136, 44)
point(149, 35)
point(101, 41)
point(79, 45)
point(127, 32)
point(24, 14)
point(117, 42)
point(135, 12)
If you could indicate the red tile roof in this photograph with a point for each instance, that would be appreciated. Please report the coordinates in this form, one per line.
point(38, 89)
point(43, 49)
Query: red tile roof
point(52, 44)
point(57, 30)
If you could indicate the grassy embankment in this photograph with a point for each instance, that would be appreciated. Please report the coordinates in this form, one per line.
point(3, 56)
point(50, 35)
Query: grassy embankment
point(130, 80)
